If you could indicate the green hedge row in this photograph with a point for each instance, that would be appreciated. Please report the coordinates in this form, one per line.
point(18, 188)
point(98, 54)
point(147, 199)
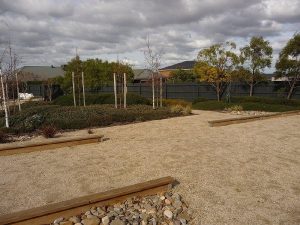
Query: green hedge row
point(96, 99)
point(69, 117)
point(249, 103)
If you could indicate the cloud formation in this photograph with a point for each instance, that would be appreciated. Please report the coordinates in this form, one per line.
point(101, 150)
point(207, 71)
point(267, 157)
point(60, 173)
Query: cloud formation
point(48, 32)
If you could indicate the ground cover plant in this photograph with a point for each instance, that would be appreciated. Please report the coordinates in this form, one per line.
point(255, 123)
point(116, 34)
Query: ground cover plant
point(48, 131)
point(69, 117)
point(249, 104)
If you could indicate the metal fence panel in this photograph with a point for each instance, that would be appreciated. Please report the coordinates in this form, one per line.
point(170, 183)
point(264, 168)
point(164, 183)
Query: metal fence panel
point(191, 91)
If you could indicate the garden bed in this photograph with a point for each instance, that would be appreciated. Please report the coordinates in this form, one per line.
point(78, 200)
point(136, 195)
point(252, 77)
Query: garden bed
point(72, 118)
point(248, 104)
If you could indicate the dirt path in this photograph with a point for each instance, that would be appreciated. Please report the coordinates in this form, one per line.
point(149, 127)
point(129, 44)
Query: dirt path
point(239, 174)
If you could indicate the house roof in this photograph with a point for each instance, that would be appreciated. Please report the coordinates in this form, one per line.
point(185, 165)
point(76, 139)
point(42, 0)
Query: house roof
point(40, 73)
point(182, 65)
point(142, 74)
point(268, 75)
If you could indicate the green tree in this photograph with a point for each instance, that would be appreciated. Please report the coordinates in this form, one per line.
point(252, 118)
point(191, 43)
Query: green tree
point(254, 58)
point(97, 73)
point(183, 75)
point(216, 65)
point(288, 64)
point(75, 65)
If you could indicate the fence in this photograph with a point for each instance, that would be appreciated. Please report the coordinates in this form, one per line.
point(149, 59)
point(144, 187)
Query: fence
point(191, 91)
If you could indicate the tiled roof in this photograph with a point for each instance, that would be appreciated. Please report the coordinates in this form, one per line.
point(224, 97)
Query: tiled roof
point(182, 65)
point(41, 73)
point(142, 74)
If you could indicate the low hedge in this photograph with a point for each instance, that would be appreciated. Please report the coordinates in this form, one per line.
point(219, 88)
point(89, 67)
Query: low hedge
point(274, 101)
point(249, 104)
point(96, 99)
point(174, 102)
point(69, 117)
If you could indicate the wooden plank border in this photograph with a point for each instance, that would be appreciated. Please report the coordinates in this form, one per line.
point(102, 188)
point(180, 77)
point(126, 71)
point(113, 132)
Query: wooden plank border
point(225, 122)
point(48, 213)
point(18, 148)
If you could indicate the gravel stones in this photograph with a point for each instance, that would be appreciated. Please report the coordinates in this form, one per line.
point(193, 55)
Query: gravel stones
point(91, 221)
point(167, 209)
point(168, 214)
point(105, 220)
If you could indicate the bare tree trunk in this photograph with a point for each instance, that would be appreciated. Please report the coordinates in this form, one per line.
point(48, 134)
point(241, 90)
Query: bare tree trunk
point(4, 100)
point(83, 90)
point(115, 91)
point(7, 97)
point(73, 83)
point(153, 92)
point(161, 90)
point(291, 89)
point(251, 88)
point(122, 90)
point(125, 92)
point(218, 91)
point(157, 95)
point(18, 91)
point(79, 91)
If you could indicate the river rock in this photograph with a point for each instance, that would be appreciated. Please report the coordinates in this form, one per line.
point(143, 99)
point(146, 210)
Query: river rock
point(105, 220)
point(117, 222)
point(58, 220)
point(168, 214)
point(74, 219)
point(91, 221)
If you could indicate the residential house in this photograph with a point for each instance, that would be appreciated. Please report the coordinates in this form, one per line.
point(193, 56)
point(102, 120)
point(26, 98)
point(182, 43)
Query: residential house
point(185, 65)
point(34, 79)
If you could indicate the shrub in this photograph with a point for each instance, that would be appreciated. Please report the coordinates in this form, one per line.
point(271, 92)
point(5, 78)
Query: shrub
point(31, 104)
point(173, 102)
point(68, 117)
point(234, 108)
point(95, 99)
point(200, 100)
point(48, 131)
point(30, 119)
point(179, 109)
point(210, 105)
point(278, 101)
point(3, 137)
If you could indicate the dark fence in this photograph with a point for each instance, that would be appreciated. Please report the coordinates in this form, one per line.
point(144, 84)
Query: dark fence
point(40, 90)
point(191, 91)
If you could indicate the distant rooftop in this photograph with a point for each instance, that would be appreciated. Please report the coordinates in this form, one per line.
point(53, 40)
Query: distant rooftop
point(142, 74)
point(185, 65)
point(40, 73)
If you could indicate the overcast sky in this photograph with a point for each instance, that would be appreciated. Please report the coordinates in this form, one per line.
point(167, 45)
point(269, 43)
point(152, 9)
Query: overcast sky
point(48, 32)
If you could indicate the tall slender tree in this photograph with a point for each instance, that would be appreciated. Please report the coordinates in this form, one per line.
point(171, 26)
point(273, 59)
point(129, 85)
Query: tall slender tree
point(216, 64)
point(153, 62)
point(288, 64)
point(254, 58)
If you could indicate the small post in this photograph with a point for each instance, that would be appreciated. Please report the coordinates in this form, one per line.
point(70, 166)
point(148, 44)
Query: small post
point(125, 91)
point(83, 90)
point(18, 91)
point(73, 82)
point(115, 91)
point(4, 100)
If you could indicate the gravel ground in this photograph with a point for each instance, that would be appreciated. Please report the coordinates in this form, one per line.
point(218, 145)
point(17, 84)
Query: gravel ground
point(166, 209)
point(239, 174)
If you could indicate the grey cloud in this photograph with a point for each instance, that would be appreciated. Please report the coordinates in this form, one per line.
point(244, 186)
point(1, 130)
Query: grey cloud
point(47, 32)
